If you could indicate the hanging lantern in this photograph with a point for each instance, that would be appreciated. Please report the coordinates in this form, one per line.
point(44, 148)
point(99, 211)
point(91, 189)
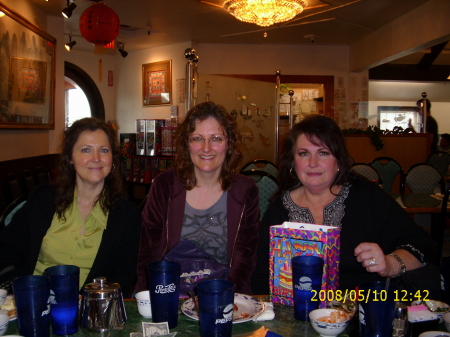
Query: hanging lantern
point(99, 25)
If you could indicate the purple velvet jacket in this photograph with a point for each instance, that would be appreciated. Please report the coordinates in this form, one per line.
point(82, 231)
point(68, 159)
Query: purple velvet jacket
point(162, 221)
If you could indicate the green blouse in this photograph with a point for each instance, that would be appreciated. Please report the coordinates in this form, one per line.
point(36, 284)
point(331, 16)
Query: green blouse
point(73, 242)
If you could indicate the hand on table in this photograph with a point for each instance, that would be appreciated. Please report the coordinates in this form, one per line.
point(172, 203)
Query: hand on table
point(372, 257)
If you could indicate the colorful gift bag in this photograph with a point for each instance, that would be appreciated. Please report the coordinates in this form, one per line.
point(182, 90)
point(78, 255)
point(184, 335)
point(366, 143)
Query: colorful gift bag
point(291, 239)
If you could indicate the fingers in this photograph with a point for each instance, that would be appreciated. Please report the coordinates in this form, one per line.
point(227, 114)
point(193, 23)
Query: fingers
point(371, 257)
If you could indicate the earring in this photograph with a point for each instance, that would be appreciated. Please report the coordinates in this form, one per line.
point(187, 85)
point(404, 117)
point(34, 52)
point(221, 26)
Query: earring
point(290, 172)
point(338, 169)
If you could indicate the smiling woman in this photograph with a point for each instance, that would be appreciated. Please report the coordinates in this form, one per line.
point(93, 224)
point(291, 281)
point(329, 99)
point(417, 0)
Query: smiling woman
point(204, 199)
point(65, 223)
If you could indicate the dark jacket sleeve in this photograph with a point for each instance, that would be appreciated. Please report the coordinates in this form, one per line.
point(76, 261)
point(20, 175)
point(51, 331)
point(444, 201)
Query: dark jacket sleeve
point(244, 253)
point(21, 240)
point(116, 258)
point(153, 241)
point(275, 214)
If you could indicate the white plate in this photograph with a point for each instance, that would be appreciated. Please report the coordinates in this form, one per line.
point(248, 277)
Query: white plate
point(248, 308)
point(435, 334)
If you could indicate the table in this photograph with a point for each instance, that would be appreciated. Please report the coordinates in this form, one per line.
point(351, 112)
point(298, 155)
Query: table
point(284, 324)
point(423, 203)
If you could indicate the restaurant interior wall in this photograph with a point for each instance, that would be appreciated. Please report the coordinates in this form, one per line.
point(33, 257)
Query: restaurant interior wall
point(23, 143)
point(90, 63)
point(129, 85)
point(400, 93)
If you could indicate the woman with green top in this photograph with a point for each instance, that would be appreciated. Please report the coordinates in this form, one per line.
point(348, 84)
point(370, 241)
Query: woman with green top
point(82, 219)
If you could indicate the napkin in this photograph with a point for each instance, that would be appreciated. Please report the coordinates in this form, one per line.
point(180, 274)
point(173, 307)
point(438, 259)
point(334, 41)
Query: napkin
point(267, 314)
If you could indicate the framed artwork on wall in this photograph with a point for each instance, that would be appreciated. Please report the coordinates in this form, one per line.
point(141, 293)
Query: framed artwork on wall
point(27, 74)
point(157, 83)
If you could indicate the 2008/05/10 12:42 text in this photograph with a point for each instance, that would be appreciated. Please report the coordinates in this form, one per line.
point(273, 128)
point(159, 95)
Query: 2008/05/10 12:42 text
point(365, 295)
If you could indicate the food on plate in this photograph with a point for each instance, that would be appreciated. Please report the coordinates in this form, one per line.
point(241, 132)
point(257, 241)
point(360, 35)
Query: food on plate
point(9, 307)
point(335, 317)
point(347, 306)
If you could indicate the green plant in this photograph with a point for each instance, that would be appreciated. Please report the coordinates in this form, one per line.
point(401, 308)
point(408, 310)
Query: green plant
point(372, 131)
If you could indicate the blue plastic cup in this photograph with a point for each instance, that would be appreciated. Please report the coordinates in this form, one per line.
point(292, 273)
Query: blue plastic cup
point(307, 274)
point(64, 287)
point(215, 303)
point(376, 309)
point(31, 295)
point(164, 287)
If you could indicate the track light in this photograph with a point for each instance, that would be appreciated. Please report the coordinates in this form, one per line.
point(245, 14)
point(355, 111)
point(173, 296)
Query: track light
point(70, 45)
point(121, 49)
point(67, 12)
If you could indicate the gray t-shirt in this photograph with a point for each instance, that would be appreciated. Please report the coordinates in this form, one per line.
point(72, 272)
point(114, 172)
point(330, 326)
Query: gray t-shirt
point(208, 228)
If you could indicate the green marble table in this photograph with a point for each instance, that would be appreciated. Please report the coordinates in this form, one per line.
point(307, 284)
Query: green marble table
point(284, 324)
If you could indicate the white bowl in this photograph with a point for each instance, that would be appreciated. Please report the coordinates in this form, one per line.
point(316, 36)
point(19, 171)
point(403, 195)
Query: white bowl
point(433, 304)
point(3, 294)
point(434, 334)
point(328, 329)
point(143, 303)
point(446, 319)
point(4, 321)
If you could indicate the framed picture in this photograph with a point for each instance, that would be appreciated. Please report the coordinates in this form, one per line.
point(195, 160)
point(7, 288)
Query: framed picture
point(27, 74)
point(157, 83)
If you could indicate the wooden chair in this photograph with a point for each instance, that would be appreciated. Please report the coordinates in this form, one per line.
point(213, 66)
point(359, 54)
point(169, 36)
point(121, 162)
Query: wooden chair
point(423, 178)
point(267, 184)
point(367, 171)
point(262, 165)
point(389, 169)
point(440, 160)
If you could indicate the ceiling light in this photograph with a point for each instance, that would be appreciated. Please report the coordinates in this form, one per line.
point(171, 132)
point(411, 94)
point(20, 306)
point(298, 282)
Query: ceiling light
point(67, 12)
point(265, 13)
point(2, 14)
point(70, 45)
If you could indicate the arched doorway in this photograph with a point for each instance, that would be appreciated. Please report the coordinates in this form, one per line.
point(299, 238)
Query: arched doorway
point(81, 95)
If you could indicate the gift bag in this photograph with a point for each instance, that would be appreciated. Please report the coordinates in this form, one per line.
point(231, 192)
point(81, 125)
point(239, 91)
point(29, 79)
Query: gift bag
point(292, 239)
point(196, 265)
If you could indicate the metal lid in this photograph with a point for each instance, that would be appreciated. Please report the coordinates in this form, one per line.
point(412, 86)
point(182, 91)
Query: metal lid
point(101, 289)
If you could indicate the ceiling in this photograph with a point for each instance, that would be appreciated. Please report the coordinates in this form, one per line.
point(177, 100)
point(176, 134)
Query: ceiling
point(153, 23)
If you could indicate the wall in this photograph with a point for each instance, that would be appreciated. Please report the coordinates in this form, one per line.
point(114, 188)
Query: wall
point(32, 142)
point(97, 67)
point(129, 85)
point(388, 93)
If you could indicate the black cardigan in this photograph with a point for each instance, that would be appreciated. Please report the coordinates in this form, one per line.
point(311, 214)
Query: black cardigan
point(116, 259)
point(371, 215)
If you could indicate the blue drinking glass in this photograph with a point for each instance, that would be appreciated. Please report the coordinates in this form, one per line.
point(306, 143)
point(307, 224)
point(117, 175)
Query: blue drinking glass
point(376, 309)
point(31, 294)
point(64, 289)
point(215, 303)
point(164, 287)
point(307, 274)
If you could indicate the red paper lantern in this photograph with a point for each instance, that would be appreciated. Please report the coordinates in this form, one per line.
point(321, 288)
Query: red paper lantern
point(99, 25)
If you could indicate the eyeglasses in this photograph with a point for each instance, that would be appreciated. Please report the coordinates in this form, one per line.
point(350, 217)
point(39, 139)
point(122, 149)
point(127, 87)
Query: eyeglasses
point(213, 140)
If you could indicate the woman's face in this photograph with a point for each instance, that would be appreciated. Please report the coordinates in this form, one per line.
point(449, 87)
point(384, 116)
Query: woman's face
point(316, 167)
point(207, 157)
point(92, 157)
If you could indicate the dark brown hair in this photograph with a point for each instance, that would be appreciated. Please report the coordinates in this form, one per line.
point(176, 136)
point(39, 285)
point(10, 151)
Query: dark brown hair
point(321, 131)
point(66, 179)
point(184, 167)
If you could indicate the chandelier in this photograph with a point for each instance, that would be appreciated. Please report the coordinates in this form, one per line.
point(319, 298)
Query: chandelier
point(265, 12)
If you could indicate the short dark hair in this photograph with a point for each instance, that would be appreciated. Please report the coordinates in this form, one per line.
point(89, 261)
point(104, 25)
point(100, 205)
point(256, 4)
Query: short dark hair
point(446, 136)
point(184, 167)
point(66, 179)
point(322, 131)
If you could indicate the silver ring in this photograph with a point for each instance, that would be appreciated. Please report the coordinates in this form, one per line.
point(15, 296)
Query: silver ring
point(372, 262)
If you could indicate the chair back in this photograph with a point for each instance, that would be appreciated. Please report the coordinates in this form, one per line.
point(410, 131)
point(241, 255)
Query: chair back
point(262, 165)
point(12, 208)
point(367, 171)
point(423, 178)
point(389, 169)
point(440, 160)
point(440, 234)
point(267, 185)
